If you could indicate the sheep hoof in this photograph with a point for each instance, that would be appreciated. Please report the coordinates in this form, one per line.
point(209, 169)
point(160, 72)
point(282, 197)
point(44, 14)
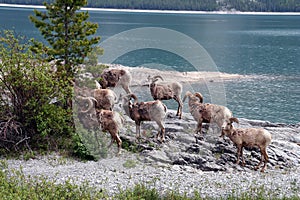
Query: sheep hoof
point(256, 168)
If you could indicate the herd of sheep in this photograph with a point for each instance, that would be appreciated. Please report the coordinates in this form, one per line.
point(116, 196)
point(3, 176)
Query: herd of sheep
point(95, 107)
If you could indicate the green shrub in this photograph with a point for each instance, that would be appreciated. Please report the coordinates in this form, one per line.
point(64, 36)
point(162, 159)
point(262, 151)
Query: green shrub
point(17, 186)
point(34, 98)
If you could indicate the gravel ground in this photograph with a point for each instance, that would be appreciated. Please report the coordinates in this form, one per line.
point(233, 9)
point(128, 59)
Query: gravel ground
point(123, 172)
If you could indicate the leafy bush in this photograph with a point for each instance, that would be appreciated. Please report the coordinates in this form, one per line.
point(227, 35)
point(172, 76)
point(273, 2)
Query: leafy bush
point(31, 95)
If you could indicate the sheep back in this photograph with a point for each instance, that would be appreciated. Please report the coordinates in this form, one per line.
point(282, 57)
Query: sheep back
point(110, 120)
point(110, 78)
point(105, 99)
point(162, 92)
point(165, 91)
point(212, 113)
point(251, 137)
point(150, 111)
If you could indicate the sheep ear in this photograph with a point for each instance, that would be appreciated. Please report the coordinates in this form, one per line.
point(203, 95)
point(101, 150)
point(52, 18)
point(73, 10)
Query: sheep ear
point(233, 119)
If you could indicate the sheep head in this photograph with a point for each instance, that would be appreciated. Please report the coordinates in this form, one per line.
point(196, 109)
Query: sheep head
point(85, 102)
point(193, 97)
point(154, 79)
point(187, 94)
point(227, 128)
point(127, 104)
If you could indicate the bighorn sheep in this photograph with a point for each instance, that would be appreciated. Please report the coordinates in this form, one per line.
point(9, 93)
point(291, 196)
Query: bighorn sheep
point(109, 121)
point(207, 113)
point(249, 137)
point(166, 91)
point(114, 77)
point(145, 111)
point(112, 122)
point(105, 98)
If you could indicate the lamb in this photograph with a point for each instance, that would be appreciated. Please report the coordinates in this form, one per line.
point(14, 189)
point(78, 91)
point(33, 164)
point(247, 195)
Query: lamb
point(249, 137)
point(145, 111)
point(107, 120)
point(207, 113)
point(166, 91)
point(114, 77)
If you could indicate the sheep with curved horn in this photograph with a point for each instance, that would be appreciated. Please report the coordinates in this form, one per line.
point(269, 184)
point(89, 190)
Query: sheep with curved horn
point(145, 111)
point(166, 91)
point(114, 77)
point(107, 120)
point(205, 112)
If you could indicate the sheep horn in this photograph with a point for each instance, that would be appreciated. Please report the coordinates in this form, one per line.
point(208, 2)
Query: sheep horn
point(199, 95)
point(90, 103)
point(158, 76)
point(233, 119)
point(131, 96)
point(134, 97)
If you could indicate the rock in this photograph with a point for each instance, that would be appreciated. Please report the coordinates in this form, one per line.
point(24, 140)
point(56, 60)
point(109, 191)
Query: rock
point(213, 153)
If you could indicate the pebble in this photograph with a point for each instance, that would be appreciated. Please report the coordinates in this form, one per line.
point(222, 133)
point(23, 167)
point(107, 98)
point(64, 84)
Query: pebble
point(110, 174)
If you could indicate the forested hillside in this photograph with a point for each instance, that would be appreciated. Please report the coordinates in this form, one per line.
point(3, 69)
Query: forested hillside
point(197, 5)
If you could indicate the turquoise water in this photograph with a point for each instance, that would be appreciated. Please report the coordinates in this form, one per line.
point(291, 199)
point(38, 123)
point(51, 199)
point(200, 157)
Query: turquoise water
point(267, 47)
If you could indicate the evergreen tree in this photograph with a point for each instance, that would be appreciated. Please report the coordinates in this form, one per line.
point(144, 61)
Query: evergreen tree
point(67, 31)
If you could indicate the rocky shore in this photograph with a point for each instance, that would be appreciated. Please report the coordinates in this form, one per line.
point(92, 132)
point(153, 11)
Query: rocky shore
point(182, 165)
point(141, 74)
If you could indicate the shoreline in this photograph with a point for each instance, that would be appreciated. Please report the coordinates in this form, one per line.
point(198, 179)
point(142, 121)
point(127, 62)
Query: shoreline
point(161, 11)
point(141, 75)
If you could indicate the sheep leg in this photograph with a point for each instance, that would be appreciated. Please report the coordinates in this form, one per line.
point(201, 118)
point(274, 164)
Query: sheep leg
point(179, 109)
point(119, 142)
point(264, 157)
point(96, 137)
point(126, 88)
point(198, 130)
point(115, 137)
point(239, 149)
point(161, 132)
point(243, 159)
point(138, 130)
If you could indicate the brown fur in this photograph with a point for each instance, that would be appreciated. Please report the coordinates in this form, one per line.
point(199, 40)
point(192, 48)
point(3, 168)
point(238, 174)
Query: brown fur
point(167, 91)
point(250, 137)
point(105, 99)
point(107, 120)
point(109, 123)
point(145, 111)
point(110, 78)
point(207, 113)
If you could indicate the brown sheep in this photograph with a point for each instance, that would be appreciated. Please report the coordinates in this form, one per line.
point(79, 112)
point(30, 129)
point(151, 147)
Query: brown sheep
point(113, 77)
point(166, 91)
point(105, 98)
point(107, 120)
point(207, 113)
point(249, 137)
point(145, 111)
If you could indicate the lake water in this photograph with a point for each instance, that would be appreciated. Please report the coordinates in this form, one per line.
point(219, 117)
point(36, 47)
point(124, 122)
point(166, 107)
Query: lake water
point(265, 46)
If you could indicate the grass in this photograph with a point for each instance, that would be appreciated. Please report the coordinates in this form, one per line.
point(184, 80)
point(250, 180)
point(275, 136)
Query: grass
point(15, 185)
